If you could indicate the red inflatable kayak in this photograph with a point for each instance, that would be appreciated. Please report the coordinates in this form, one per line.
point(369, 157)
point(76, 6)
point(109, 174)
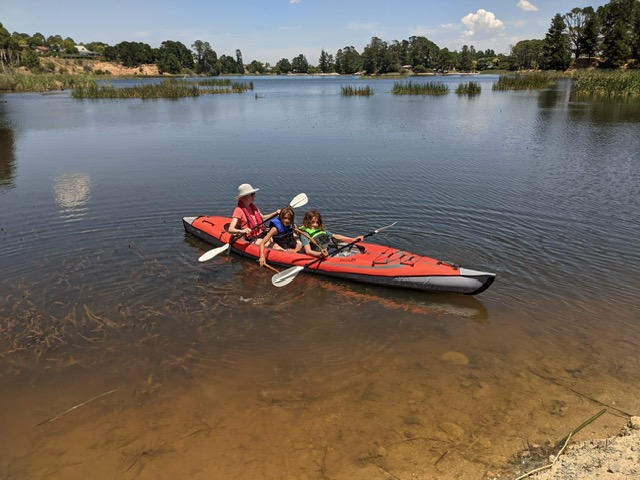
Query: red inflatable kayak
point(371, 263)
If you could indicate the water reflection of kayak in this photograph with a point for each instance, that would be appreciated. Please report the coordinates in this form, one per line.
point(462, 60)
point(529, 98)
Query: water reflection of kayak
point(370, 263)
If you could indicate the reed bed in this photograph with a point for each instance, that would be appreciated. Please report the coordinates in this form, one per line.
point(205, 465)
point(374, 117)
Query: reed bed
point(526, 81)
point(358, 91)
point(608, 84)
point(469, 88)
point(214, 82)
point(45, 82)
point(166, 89)
point(429, 88)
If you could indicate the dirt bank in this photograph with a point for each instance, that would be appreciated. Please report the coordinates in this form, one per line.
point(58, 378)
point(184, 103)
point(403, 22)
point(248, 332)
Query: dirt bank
point(616, 457)
point(79, 65)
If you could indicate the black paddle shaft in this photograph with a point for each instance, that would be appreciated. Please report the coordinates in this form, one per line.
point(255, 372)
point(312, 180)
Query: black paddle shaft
point(344, 247)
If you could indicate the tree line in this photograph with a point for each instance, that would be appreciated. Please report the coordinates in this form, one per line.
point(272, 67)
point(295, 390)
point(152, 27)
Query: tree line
point(611, 33)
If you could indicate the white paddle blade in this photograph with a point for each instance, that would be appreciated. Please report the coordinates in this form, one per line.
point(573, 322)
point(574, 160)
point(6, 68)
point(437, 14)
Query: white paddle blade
point(384, 228)
point(212, 253)
point(285, 277)
point(299, 200)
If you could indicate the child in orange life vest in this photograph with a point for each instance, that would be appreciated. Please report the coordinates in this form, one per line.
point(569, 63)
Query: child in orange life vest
point(321, 239)
point(283, 233)
point(247, 218)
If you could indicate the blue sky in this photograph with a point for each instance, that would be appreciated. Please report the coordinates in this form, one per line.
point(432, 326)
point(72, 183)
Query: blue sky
point(271, 29)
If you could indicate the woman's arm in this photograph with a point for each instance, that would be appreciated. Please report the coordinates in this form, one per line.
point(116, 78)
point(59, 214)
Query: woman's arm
point(265, 240)
point(271, 215)
point(233, 229)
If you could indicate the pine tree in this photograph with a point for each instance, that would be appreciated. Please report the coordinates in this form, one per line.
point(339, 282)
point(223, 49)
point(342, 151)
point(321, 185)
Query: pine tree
point(616, 39)
point(556, 49)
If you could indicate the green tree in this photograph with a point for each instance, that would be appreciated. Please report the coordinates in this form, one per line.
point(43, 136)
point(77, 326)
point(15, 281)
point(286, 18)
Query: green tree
point(375, 58)
point(30, 59)
point(446, 60)
point(37, 40)
point(206, 59)
point(131, 54)
point(178, 50)
point(325, 63)
point(590, 33)
point(528, 54)
point(615, 29)
point(556, 47)
point(239, 64)
point(348, 61)
point(283, 66)
point(299, 64)
point(465, 59)
point(635, 33)
point(575, 21)
point(55, 43)
point(227, 64)
point(169, 63)
point(423, 52)
point(256, 67)
point(69, 46)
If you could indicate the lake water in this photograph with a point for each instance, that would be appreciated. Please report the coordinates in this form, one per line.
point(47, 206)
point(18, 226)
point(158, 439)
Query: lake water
point(210, 372)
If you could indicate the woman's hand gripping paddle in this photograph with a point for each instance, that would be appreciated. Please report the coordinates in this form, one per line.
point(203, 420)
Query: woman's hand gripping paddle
point(298, 201)
point(287, 276)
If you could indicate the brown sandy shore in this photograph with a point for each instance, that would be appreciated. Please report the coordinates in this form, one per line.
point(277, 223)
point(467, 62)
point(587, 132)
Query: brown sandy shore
point(616, 457)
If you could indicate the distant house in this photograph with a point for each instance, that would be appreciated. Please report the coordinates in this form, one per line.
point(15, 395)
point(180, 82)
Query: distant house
point(82, 50)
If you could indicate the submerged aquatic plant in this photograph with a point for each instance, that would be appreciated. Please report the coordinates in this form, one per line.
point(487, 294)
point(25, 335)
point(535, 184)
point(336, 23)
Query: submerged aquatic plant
point(429, 88)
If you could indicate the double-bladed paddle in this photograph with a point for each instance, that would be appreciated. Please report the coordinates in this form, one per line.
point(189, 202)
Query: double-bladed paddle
point(287, 276)
point(298, 201)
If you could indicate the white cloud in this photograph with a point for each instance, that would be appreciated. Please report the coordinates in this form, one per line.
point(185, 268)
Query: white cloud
point(527, 6)
point(294, 2)
point(482, 25)
point(450, 26)
point(421, 31)
point(362, 26)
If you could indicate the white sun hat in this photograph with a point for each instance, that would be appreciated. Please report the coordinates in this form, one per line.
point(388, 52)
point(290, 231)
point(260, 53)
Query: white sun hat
point(246, 189)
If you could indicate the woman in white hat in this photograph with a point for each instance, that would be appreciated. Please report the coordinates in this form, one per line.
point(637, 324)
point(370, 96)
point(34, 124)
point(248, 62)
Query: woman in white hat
point(247, 218)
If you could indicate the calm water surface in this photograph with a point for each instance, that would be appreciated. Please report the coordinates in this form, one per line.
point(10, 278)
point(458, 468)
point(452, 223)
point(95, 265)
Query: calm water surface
point(218, 373)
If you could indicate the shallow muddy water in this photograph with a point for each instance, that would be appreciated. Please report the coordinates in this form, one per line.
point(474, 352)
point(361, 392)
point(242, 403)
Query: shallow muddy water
point(210, 372)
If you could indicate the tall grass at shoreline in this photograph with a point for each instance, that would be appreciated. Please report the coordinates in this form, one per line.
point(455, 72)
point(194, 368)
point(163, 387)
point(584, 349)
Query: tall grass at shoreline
point(214, 82)
point(610, 84)
point(165, 89)
point(469, 88)
point(526, 81)
point(429, 88)
point(359, 91)
point(25, 82)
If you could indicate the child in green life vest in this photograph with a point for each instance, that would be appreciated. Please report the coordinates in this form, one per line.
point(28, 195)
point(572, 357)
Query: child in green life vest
point(316, 240)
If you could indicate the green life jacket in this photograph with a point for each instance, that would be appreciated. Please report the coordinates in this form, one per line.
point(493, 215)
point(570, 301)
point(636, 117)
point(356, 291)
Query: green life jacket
point(321, 237)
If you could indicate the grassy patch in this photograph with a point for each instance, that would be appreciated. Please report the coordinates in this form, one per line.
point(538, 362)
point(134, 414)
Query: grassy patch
point(25, 82)
point(469, 88)
point(607, 83)
point(360, 91)
point(429, 88)
point(165, 89)
point(526, 81)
